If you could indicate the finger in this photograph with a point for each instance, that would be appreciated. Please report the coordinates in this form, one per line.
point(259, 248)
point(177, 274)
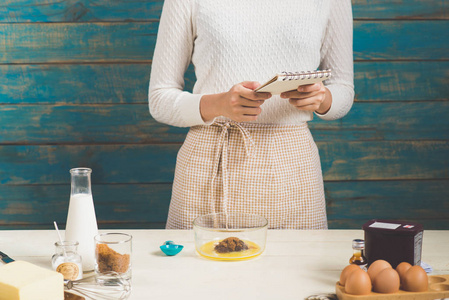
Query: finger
point(251, 95)
point(250, 103)
point(306, 104)
point(310, 87)
point(250, 111)
point(247, 117)
point(300, 102)
point(252, 85)
point(266, 95)
point(299, 95)
point(310, 107)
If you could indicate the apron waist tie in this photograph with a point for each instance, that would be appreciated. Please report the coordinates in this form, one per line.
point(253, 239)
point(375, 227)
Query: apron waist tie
point(222, 154)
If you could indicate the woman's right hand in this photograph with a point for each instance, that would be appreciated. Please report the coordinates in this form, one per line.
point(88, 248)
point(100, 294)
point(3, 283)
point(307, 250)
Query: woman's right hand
point(240, 103)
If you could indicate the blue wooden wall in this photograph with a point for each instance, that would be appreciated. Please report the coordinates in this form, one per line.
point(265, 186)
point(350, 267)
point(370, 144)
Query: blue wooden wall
point(73, 92)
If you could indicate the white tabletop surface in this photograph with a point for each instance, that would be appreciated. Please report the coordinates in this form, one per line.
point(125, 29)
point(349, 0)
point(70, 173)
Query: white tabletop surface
point(295, 264)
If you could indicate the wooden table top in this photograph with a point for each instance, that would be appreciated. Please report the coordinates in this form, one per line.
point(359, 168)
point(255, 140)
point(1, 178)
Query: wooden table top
point(295, 263)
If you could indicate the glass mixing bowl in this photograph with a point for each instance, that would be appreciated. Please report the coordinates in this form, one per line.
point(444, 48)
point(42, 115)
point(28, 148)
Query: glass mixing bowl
point(211, 229)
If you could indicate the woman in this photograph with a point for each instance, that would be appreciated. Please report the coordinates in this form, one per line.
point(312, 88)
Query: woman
point(247, 151)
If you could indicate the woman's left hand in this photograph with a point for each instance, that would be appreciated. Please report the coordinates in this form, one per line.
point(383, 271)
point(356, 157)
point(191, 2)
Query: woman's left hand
point(311, 97)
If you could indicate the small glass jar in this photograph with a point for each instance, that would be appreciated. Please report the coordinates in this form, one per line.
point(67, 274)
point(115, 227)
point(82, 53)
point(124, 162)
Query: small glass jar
point(67, 261)
point(358, 258)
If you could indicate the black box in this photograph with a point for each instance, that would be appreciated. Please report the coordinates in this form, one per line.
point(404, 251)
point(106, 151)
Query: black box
point(393, 241)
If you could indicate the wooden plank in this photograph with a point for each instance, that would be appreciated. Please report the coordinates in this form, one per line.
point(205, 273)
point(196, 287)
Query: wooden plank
point(13, 11)
point(128, 83)
point(406, 200)
point(155, 163)
point(132, 123)
point(399, 40)
point(398, 9)
point(117, 123)
point(77, 42)
point(429, 224)
point(401, 81)
point(115, 205)
point(137, 10)
point(109, 83)
point(392, 121)
point(73, 83)
point(131, 42)
point(349, 204)
point(102, 225)
point(384, 160)
point(110, 163)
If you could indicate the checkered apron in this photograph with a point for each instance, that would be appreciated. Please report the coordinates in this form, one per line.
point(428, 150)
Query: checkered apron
point(269, 170)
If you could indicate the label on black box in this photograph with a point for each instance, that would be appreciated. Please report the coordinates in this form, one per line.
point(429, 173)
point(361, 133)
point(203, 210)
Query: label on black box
point(384, 225)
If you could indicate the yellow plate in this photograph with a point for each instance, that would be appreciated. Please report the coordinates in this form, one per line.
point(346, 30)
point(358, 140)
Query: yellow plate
point(207, 251)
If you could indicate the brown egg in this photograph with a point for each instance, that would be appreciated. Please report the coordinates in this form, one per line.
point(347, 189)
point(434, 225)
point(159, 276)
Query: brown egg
point(346, 271)
point(358, 283)
point(376, 267)
point(386, 281)
point(402, 268)
point(415, 280)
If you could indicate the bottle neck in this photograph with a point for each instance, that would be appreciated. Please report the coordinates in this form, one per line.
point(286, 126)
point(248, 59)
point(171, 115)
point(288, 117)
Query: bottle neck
point(81, 181)
point(358, 252)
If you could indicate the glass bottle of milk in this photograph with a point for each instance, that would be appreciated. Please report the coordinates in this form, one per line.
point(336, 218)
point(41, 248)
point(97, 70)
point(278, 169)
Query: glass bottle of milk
point(81, 220)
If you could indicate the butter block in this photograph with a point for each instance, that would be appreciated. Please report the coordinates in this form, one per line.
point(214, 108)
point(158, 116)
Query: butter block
point(21, 280)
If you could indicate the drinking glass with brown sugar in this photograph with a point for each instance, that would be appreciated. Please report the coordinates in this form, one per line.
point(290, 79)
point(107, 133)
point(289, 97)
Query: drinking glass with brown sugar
point(113, 254)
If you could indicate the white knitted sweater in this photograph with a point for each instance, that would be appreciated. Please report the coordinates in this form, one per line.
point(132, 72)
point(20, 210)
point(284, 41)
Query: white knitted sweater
point(230, 41)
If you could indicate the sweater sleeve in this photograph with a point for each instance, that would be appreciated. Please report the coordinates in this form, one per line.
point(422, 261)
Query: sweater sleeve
point(336, 54)
point(168, 103)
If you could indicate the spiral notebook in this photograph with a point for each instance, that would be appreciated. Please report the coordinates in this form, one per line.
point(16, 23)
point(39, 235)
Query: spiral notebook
point(287, 81)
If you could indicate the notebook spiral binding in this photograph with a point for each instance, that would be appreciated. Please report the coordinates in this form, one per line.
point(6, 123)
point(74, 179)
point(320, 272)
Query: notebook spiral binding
point(306, 75)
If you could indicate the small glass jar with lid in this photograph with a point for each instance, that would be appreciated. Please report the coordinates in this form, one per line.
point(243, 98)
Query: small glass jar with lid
point(67, 261)
point(358, 257)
